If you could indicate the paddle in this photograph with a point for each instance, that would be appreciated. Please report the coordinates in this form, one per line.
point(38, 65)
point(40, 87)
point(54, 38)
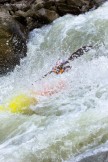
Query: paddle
point(73, 56)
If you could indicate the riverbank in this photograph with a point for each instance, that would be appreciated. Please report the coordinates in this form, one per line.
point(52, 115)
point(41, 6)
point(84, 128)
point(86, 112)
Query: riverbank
point(36, 13)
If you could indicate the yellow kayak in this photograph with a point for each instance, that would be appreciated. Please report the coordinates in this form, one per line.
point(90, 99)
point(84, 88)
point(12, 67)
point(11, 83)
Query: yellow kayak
point(19, 104)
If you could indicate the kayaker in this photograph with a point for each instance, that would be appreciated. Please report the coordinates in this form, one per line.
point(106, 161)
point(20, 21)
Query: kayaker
point(60, 67)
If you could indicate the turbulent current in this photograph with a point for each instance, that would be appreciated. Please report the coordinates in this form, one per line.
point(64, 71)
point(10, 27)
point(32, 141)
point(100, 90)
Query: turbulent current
point(73, 121)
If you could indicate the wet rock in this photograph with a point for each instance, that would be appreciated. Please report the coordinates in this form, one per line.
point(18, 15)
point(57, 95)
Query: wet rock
point(79, 3)
point(97, 3)
point(33, 23)
point(61, 1)
point(62, 9)
point(47, 15)
point(37, 6)
point(76, 7)
point(4, 1)
point(12, 42)
point(20, 6)
point(39, 1)
point(83, 5)
point(40, 12)
point(21, 13)
point(49, 4)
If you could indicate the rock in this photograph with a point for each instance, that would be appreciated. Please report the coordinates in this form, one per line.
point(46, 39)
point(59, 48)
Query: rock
point(49, 4)
point(47, 15)
point(12, 42)
point(32, 23)
point(41, 12)
point(60, 1)
point(97, 3)
point(39, 1)
point(37, 6)
point(62, 9)
point(78, 3)
point(21, 13)
point(75, 7)
point(23, 1)
point(4, 1)
point(20, 6)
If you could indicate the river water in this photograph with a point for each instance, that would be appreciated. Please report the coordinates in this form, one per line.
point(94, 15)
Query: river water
point(74, 120)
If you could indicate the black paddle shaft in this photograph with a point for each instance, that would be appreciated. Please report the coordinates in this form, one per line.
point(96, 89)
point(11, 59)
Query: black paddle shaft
point(79, 52)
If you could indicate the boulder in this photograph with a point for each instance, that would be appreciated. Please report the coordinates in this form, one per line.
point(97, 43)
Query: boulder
point(79, 3)
point(47, 15)
point(97, 3)
point(49, 4)
point(12, 42)
point(76, 7)
point(36, 13)
point(63, 9)
point(4, 1)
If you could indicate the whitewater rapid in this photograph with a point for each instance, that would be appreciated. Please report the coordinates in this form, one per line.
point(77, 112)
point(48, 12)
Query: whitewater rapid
point(75, 119)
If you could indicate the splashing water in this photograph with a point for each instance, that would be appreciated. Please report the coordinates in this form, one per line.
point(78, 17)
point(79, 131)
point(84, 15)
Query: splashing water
point(73, 120)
